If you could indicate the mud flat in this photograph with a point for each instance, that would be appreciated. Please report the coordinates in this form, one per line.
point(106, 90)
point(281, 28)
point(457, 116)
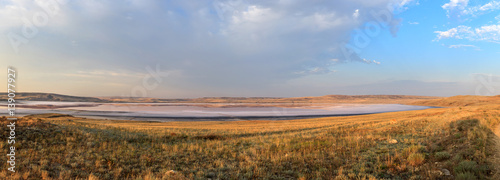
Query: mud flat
point(207, 111)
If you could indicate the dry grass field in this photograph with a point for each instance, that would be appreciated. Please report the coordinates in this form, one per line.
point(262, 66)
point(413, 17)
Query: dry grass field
point(424, 144)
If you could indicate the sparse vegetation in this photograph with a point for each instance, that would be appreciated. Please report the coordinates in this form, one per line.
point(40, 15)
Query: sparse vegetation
point(466, 176)
point(416, 159)
point(466, 166)
point(442, 155)
point(53, 146)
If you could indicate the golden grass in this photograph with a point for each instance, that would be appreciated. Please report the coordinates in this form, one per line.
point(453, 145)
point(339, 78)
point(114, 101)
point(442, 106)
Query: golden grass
point(460, 101)
point(397, 145)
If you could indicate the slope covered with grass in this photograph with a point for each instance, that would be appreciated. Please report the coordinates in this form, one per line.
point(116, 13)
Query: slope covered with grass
point(459, 101)
point(401, 145)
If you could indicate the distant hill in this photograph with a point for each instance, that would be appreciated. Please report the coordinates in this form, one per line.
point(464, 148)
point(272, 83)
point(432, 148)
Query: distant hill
point(363, 99)
point(50, 97)
point(457, 101)
point(368, 99)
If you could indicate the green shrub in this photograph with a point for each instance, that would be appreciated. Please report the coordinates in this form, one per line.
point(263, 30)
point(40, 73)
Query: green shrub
point(466, 166)
point(442, 155)
point(466, 176)
point(457, 158)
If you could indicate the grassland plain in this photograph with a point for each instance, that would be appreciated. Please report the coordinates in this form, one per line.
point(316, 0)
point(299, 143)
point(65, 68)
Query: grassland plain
point(422, 144)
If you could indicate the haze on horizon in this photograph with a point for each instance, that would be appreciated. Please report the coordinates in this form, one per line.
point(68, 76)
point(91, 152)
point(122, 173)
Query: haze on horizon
point(282, 48)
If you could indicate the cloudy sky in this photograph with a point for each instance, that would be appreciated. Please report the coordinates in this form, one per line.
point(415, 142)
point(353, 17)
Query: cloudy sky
point(281, 48)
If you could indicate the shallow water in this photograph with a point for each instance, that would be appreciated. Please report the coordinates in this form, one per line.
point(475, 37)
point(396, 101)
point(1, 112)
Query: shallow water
point(194, 111)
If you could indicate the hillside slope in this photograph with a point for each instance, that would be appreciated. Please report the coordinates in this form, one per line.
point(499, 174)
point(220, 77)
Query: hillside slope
point(457, 101)
point(50, 97)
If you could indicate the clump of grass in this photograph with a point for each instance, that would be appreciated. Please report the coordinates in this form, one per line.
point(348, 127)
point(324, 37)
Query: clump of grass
point(466, 176)
point(457, 158)
point(93, 177)
point(440, 156)
point(466, 166)
point(410, 150)
point(416, 159)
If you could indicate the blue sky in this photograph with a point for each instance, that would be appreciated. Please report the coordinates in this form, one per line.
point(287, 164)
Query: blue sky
point(434, 59)
point(280, 48)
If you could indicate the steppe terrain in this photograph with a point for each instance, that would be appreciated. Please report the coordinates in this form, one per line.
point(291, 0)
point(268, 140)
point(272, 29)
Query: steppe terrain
point(456, 142)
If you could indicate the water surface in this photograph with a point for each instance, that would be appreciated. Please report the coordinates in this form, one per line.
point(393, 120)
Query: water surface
point(204, 111)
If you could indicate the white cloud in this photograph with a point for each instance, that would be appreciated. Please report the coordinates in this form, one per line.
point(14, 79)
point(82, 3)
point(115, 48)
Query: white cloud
point(458, 32)
point(402, 5)
point(371, 61)
point(216, 43)
point(315, 70)
point(488, 33)
point(462, 9)
point(413, 23)
point(356, 13)
point(480, 9)
point(455, 8)
point(484, 33)
point(458, 46)
point(254, 14)
point(106, 73)
point(490, 6)
point(455, 4)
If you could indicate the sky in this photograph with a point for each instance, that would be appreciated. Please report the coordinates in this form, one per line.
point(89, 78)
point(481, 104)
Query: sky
point(259, 48)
